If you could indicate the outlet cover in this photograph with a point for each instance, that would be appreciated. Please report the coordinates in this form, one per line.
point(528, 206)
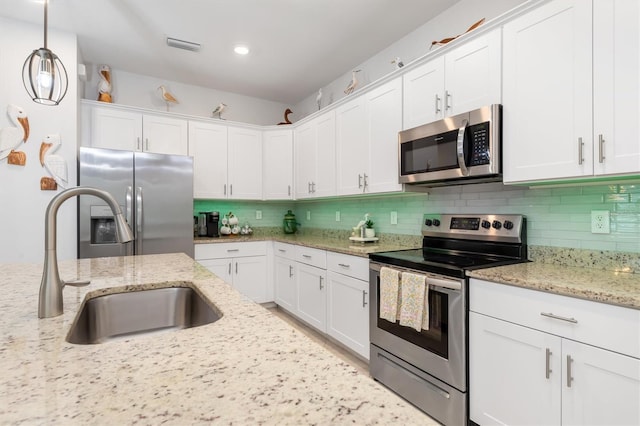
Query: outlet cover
point(337, 216)
point(394, 218)
point(600, 223)
point(258, 214)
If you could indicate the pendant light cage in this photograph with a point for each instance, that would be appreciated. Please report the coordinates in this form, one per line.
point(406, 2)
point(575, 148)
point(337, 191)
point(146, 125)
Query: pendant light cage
point(45, 77)
point(43, 74)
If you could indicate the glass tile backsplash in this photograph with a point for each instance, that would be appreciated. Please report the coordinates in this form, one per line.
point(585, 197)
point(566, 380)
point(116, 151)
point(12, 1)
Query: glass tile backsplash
point(559, 217)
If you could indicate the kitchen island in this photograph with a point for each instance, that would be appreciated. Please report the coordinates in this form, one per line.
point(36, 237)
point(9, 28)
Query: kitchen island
point(249, 367)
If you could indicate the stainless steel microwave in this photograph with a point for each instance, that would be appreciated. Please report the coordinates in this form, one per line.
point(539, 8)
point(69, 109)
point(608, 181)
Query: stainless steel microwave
point(464, 148)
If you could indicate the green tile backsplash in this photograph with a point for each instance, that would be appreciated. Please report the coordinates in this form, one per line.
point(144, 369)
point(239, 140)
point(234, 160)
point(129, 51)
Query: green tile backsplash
point(559, 217)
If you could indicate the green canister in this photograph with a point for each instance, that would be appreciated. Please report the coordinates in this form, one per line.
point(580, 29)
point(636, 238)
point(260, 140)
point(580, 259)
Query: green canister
point(289, 223)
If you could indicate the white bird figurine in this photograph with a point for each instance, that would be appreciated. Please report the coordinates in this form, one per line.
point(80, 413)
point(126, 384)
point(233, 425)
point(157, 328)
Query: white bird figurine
point(55, 164)
point(353, 84)
point(104, 86)
point(319, 98)
point(12, 137)
point(219, 110)
point(167, 97)
point(398, 62)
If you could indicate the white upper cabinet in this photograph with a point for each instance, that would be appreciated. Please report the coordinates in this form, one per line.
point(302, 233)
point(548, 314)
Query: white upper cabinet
point(465, 78)
point(547, 93)
point(245, 164)
point(616, 86)
point(315, 157)
point(367, 141)
point(571, 91)
point(130, 130)
point(277, 161)
point(208, 147)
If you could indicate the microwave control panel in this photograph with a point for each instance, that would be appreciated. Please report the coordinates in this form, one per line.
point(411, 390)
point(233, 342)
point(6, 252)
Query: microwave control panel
point(478, 135)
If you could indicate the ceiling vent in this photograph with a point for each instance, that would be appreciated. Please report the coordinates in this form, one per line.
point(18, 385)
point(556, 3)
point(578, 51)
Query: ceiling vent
point(182, 44)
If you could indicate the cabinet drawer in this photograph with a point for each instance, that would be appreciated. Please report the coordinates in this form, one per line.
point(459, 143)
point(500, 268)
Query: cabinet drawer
point(222, 250)
point(607, 326)
point(352, 266)
point(287, 251)
point(311, 256)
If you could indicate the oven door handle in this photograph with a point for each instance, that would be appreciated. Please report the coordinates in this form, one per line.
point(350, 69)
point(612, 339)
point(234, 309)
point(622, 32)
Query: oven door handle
point(453, 285)
point(460, 148)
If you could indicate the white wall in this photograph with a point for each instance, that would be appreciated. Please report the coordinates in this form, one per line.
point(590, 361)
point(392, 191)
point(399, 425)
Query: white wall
point(141, 91)
point(22, 203)
point(451, 22)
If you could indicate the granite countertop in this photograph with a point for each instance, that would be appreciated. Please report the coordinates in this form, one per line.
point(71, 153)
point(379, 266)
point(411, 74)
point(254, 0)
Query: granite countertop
point(249, 367)
point(608, 286)
point(331, 242)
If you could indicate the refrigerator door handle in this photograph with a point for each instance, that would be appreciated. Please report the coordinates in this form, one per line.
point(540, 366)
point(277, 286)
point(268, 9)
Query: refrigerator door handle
point(139, 213)
point(128, 215)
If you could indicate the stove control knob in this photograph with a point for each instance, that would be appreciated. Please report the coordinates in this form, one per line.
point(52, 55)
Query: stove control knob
point(428, 222)
point(508, 224)
point(486, 224)
point(436, 222)
point(496, 224)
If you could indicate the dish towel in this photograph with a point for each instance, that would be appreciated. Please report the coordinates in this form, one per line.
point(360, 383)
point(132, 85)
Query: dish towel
point(425, 309)
point(412, 293)
point(389, 289)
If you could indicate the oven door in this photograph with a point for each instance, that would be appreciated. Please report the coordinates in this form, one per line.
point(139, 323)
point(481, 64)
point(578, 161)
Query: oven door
point(439, 351)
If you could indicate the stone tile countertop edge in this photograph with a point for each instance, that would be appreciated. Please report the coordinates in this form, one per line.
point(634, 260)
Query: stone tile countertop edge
point(333, 243)
point(249, 367)
point(607, 286)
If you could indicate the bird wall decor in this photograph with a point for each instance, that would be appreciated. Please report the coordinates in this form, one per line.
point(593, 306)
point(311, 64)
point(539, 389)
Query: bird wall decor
point(398, 62)
point(167, 97)
point(286, 117)
point(11, 137)
point(448, 39)
point(319, 98)
point(54, 164)
point(104, 86)
point(218, 110)
point(353, 84)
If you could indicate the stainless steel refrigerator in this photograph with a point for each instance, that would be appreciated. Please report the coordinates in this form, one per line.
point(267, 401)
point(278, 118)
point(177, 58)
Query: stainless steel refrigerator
point(155, 193)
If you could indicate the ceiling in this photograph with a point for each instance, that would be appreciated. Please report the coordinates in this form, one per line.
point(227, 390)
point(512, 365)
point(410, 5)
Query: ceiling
point(296, 46)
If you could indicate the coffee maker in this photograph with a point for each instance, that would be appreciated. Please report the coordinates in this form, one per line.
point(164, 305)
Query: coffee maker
point(213, 219)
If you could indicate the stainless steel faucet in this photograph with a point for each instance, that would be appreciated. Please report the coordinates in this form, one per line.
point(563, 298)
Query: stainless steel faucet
point(50, 302)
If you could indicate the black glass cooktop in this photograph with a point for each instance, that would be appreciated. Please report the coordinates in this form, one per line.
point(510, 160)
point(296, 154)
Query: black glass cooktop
point(453, 263)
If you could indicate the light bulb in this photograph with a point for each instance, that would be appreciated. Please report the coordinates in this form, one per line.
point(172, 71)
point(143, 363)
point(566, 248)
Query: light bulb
point(44, 77)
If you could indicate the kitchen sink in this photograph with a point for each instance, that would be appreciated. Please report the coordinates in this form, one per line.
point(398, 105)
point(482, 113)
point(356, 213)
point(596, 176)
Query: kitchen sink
point(123, 315)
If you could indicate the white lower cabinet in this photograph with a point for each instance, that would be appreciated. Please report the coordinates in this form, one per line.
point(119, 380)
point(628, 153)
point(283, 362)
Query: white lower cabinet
point(539, 374)
point(243, 265)
point(348, 312)
point(327, 290)
point(285, 277)
point(312, 300)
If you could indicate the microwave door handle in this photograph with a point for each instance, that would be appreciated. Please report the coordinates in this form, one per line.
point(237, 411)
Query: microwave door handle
point(460, 148)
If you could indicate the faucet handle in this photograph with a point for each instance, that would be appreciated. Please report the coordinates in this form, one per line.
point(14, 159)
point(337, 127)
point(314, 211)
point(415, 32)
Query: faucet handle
point(77, 283)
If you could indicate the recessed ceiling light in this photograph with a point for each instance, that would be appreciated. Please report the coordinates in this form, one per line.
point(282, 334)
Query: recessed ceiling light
point(241, 50)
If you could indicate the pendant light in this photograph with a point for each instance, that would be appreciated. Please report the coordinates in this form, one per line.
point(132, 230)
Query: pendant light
point(43, 74)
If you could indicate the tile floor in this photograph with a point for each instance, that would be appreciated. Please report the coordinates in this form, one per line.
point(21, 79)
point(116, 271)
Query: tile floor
point(347, 356)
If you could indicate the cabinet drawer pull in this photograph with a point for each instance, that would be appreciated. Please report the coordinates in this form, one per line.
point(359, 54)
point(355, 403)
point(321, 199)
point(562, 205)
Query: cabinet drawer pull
point(548, 370)
point(290, 271)
point(147, 143)
point(225, 189)
point(580, 151)
point(313, 187)
point(231, 189)
point(359, 180)
point(550, 315)
point(364, 298)
point(232, 250)
point(321, 286)
point(138, 145)
point(447, 100)
point(282, 250)
point(306, 256)
point(309, 187)
point(229, 268)
point(437, 104)
point(569, 378)
point(289, 190)
point(601, 148)
point(344, 265)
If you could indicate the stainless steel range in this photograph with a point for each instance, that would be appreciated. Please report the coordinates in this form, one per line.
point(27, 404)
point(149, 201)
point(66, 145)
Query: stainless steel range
point(429, 367)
